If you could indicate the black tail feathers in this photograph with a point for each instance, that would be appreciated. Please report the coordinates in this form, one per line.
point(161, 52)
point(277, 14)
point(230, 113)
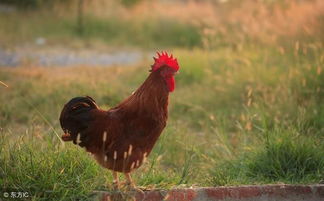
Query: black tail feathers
point(75, 117)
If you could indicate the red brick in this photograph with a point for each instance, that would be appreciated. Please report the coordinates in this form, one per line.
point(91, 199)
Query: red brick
point(181, 195)
point(316, 192)
point(217, 193)
point(320, 191)
point(247, 192)
point(152, 196)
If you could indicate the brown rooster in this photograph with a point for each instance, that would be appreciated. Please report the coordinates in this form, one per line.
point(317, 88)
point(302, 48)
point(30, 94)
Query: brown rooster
point(121, 138)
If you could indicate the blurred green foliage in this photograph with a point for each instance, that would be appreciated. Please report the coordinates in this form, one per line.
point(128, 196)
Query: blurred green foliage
point(32, 3)
point(40, 3)
point(155, 33)
point(119, 32)
point(129, 3)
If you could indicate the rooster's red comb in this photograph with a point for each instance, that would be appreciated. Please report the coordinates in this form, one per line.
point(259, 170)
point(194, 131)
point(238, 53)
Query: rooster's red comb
point(165, 60)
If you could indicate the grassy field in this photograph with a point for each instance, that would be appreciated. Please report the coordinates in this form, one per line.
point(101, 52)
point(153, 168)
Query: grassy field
point(244, 111)
point(235, 118)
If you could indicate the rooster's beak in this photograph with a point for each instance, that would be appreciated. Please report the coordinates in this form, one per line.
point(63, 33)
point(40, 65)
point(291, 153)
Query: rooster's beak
point(66, 137)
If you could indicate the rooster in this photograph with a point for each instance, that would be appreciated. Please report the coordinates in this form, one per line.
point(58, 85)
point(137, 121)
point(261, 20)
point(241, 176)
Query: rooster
point(121, 138)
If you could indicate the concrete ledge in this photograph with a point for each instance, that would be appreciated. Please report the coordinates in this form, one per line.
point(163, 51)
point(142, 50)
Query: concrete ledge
point(239, 193)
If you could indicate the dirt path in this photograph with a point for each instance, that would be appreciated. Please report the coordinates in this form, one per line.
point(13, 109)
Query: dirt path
point(67, 57)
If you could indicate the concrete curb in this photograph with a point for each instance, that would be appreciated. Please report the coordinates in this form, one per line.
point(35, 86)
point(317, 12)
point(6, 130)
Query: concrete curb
point(239, 193)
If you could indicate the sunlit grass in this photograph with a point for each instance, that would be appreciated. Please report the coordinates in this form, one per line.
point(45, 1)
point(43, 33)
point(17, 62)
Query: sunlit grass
point(245, 111)
point(230, 112)
point(116, 31)
point(186, 24)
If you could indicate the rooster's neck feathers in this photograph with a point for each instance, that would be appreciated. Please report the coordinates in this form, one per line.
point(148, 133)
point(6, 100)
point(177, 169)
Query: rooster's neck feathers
point(152, 96)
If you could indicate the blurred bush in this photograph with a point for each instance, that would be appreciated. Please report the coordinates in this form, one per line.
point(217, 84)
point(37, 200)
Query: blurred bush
point(39, 3)
point(31, 3)
point(129, 3)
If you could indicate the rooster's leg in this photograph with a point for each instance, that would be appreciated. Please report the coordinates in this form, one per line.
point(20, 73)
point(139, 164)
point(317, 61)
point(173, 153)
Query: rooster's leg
point(129, 180)
point(132, 184)
point(116, 180)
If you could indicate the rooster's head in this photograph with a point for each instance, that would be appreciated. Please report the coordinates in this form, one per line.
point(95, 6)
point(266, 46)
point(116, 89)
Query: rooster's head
point(168, 67)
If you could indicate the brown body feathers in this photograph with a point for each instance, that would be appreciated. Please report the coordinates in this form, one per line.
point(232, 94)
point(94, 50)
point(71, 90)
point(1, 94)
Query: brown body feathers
point(121, 138)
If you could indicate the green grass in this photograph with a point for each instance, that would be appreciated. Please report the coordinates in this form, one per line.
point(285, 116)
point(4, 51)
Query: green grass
point(243, 112)
point(42, 168)
point(286, 157)
point(237, 117)
point(115, 31)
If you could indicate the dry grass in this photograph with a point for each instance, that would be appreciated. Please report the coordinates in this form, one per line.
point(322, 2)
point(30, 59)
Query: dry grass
point(227, 106)
point(240, 110)
point(260, 19)
point(193, 23)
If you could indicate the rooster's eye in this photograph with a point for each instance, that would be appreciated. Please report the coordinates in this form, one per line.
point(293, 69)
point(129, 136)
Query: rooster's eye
point(80, 105)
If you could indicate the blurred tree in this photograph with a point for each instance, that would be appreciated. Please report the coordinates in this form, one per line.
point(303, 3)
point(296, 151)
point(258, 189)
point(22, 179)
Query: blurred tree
point(80, 24)
point(129, 3)
point(32, 3)
point(23, 3)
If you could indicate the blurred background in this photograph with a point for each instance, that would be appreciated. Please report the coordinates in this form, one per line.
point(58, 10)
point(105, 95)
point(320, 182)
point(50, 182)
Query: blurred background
point(129, 27)
point(248, 106)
